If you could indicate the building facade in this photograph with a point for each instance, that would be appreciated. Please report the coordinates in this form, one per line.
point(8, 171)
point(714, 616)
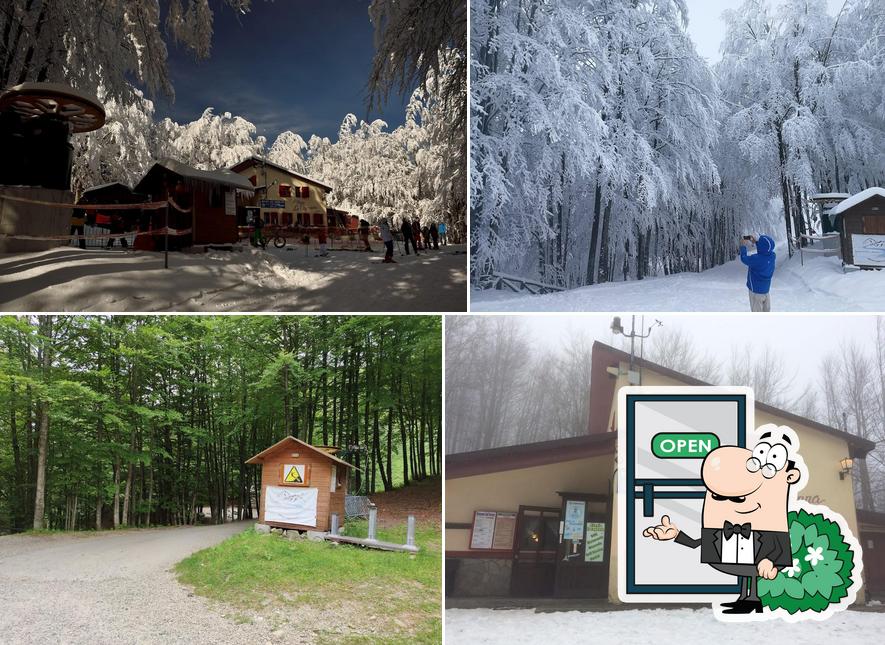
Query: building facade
point(282, 197)
point(505, 507)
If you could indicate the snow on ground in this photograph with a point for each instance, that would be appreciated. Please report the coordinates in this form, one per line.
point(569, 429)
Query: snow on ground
point(71, 279)
point(820, 285)
point(677, 626)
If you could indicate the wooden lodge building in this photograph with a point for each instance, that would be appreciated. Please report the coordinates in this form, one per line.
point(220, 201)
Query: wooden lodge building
point(863, 228)
point(301, 485)
point(281, 197)
point(505, 506)
point(211, 196)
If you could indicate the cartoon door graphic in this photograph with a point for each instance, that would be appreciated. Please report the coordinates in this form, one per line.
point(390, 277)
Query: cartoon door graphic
point(666, 433)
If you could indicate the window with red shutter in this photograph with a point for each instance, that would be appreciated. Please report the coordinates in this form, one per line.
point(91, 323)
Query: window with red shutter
point(285, 190)
point(305, 192)
point(254, 180)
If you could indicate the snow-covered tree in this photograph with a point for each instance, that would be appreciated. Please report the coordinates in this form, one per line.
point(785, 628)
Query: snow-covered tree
point(120, 151)
point(211, 142)
point(104, 45)
point(288, 150)
point(604, 148)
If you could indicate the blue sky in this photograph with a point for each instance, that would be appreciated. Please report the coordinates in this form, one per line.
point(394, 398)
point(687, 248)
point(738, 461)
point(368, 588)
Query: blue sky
point(286, 65)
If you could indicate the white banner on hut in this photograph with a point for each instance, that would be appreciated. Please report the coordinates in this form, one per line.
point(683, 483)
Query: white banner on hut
point(291, 505)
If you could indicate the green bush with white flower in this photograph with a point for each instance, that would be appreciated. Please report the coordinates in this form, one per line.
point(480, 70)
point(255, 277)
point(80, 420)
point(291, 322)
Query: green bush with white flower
point(822, 566)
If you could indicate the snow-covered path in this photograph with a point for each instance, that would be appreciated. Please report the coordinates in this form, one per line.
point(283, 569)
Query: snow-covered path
point(70, 279)
point(676, 626)
point(820, 285)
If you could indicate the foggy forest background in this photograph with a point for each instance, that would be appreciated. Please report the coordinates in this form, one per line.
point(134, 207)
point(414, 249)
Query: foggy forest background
point(527, 392)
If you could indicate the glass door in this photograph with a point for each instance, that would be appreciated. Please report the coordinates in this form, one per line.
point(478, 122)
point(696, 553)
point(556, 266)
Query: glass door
point(583, 555)
point(534, 553)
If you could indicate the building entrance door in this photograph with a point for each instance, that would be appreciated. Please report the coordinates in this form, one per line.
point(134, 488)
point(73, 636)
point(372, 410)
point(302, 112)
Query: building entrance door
point(534, 552)
point(583, 555)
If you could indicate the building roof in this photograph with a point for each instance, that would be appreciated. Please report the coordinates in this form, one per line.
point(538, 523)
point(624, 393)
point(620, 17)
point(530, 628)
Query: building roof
point(601, 392)
point(223, 177)
point(828, 196)
point(527, 455)
point(854, 200)
point(297, 443)
point(255, 160)
point(104, 186)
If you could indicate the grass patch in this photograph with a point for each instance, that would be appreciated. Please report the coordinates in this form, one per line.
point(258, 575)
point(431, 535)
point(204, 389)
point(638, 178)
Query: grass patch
point(339, 593)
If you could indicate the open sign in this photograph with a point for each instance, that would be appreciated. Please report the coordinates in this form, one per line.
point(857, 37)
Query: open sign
point(677, 445)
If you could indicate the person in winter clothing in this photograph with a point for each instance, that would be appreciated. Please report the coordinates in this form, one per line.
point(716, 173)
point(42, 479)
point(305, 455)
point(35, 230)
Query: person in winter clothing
point(387, 238)
point(117, 226)
point(442, 233)
point(434, 235)
point(364, 235)
point(78, 226)
point(257, 226)
point(322, 238)
point(416, 233)
point(760, 269)
point(406, 230)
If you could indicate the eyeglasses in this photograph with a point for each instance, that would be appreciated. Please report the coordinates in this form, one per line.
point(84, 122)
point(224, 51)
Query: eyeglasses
point(768, 458)
point(768, 470)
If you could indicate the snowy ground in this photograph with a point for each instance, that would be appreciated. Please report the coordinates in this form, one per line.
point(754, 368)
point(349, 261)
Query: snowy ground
point(820, 285)
point(677, 626)
point(71, 279)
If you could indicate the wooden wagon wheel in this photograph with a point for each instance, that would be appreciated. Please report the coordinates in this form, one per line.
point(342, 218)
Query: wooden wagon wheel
point(30, 100)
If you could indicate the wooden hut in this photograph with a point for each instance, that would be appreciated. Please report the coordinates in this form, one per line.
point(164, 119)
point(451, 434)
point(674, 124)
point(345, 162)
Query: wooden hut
point(863, 228)
point(301, 485)
point(209, 194)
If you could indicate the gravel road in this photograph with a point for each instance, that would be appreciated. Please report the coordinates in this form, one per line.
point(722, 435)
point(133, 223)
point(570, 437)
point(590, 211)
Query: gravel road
point(113, 587)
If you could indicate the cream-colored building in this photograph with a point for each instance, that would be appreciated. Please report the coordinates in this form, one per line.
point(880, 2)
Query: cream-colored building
point(283, 197)
point(504, 506)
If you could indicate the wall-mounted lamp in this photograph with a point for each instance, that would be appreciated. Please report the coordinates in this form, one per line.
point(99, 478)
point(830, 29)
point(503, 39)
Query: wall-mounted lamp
point(846, 463)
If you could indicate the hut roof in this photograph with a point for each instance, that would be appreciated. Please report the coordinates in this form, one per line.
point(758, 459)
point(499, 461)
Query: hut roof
point(853, 201)
point(255, 161)
point(297, 443)
point(829, 196)
point(223, 177)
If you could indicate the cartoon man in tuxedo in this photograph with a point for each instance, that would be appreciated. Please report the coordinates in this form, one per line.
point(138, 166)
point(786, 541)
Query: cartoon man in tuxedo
point(745, 531)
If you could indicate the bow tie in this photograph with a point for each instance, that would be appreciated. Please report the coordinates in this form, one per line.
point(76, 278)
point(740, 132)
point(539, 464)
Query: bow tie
point(729, 529)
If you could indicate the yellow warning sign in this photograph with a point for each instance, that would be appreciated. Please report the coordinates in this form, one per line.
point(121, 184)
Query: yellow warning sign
point(294, 474)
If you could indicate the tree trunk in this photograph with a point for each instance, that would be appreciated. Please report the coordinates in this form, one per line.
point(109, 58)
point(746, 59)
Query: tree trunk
point(43, 406)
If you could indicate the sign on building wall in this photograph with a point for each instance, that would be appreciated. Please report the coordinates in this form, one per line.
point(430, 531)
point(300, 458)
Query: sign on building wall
point(493, 530)
point(505, 528)
point(295, 474)
point(483, 530)
point(594, 550)
point(573, 527)
point(290, 505)
point(230, 203)
point(273, 203)
point(868, 250)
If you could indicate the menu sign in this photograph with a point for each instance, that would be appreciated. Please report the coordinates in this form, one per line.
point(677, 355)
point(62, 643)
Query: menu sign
point(493, 530)
point(505, 527)
point(483, 530)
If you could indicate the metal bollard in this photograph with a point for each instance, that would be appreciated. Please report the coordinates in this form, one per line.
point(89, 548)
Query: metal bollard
point(373, 518)
point(334, 523)
point(410, 531)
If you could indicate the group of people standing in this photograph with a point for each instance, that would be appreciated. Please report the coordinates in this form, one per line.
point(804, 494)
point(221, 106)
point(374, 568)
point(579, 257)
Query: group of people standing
point(421, 239)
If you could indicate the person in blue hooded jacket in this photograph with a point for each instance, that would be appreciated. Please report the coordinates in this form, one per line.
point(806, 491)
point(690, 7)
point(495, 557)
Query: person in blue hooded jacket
point(760, 268)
